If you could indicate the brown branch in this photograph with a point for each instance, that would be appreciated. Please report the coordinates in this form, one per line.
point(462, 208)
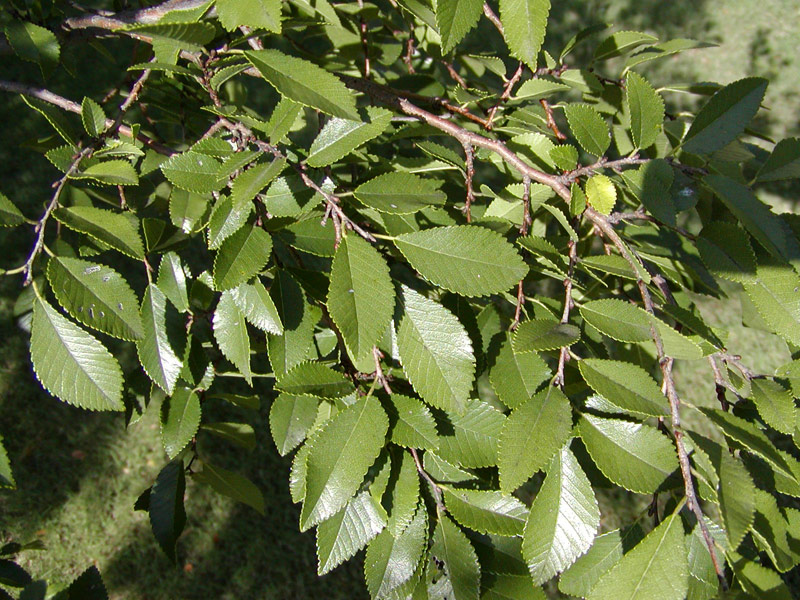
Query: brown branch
point(551, 121)
point(111, 21)
point(520, 304)
point(437, 491)
point(454, 74)
point(364, 45)
point(70, 106)
point(512, 81)
point(563, 356)
point(490, 14)
point(379, 374)
point(409, 54)
point(469, 174)
point(668, 387)
point(603, 163)
point(527, 221)
point(640, 215)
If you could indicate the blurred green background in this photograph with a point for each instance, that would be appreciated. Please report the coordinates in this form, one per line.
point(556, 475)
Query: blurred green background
point(79, 473)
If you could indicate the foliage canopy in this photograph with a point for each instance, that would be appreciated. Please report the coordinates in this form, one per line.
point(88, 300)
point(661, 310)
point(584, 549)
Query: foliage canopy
point(457, 263)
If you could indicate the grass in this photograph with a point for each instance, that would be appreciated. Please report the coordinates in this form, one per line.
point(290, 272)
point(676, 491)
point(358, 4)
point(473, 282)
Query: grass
point(79, 473)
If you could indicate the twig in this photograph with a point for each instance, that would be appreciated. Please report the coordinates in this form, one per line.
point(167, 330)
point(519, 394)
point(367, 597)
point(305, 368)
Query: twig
point(454, 74)
point(364, 44)
point(603, 163)
point(379, 374)
point(520, 303)
point(526, 206)
point(490, 14)
point(563, 355)
point(640, 215)
point(437, 491)
point(41, 224)
point(409, 53)
point(512, 81)
point(469, 173)
point(720, 385)
point(551, 121)
point(668, 387)
point(70, 106)
point(106, 20)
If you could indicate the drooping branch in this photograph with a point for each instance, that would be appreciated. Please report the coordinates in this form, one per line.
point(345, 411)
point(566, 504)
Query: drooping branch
point(551, 121)
point(492, 16)
point(111, 21)
point(602, 163)
point(469, 174)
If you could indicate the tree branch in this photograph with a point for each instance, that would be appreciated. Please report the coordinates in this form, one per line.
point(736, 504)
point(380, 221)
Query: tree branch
point(74, 107)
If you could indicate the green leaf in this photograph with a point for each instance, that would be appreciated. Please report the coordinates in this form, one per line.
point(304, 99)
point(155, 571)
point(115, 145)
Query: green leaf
point(725, 116)
point(625, 385)
point(180, 420)
point(453, 548)
point(564, 156)
point(646, 109)
point(467, 260)
point(35, 44)
point(773, 531)
point(726, 251)
point(167, 515)
point(606, 551)
point(532, 434)
point(172, 281)
point(524, 25)
point(436, 352)
point(190, 36)
point(230, 332)
point(589, 128)
point(310, 236)
point(533, 89)
point(304, 82)
point(360, 296)
point(288, 196)
point(515, 376)
point(232, 485)
point(412, 424)
point(474, 438)
point(651, 184)
point(249, 183)
point(257, 14)
point(703, 582)
point(72, 364)
point(257, 306)
point(339, 137)
point(10, 215)
point(774, 296)
point(282, 119)
point(6, 476)
point(290, 419)
point(339, 458)
point(188, 211)
point(400, 193)
point(783, 163)
point(736, 493)
point(488, 511)
point(241, 257)
point(775, 404)
point(757, 218)
point(563, 520)
point(298, 318)
point(544, 334)
point(120, 231)
point(619, 320)
point(632, 455)
point(392, 559)
point(110, 172)
point(55, 117)
point(348, 531)
point(96, 295)
point(156, 355)
point(402, 494)
point(93, 117)
point(749, 436)
point(87, 586)
point(315, 379)
point(193, 172)
point(601, 194)
point(454, 19)
point(622, 42)
point(656, 569)
point(240, 434)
